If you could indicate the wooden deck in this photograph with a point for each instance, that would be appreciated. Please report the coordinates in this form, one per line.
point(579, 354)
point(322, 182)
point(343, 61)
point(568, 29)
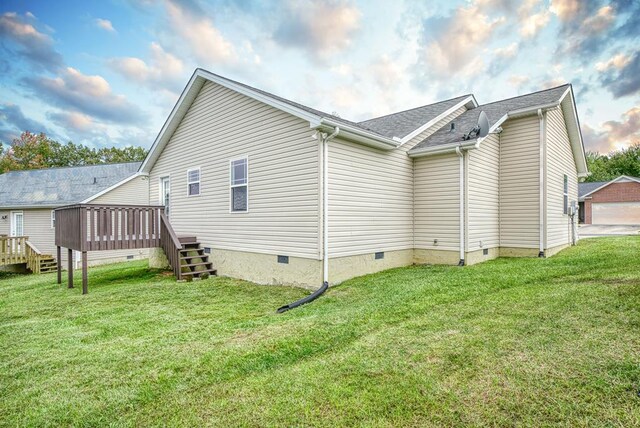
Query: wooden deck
point(17, 250)
point(89, 227)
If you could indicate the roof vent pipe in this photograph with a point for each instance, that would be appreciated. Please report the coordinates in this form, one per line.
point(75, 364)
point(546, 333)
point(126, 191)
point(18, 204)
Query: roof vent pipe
point(325, 226)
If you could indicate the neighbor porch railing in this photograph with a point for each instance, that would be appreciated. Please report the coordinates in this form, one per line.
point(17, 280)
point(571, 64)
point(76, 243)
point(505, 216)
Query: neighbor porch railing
point(33, 257)
point(13, 249)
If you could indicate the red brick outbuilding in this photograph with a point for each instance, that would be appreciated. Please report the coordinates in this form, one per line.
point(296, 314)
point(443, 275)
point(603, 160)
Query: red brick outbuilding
point(612, 202)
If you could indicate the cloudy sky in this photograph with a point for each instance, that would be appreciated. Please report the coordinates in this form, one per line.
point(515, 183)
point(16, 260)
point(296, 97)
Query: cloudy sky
point(109, 72)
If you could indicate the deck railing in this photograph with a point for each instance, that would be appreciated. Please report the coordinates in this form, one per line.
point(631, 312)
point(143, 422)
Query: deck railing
point(88, 227)
point(13, 249)
point(171, 245)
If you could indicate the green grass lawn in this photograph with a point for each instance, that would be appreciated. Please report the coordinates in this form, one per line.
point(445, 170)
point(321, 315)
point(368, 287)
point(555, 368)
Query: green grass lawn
point(511, 342)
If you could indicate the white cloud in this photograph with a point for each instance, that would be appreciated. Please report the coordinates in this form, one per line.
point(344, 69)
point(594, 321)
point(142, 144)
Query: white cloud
point(342, 69)
point(614, 134)
point(162, 68)
point(104, 24)
point(508, 51)
point(386, 73)
point(600, 22)
point(89, 95)
point(74, 120)
point(201, 37)
point(35, 46)
point(455, 50)
point(565, 9)
point(618, 62)
point(321, 27)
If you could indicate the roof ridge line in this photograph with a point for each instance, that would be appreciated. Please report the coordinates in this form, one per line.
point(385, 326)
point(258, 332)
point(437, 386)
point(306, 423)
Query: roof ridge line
point(70, 167)
point(524, 95)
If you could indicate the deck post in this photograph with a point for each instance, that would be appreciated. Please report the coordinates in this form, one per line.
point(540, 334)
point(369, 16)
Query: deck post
point(70, 268)
point(85, 289)
point(59, 263)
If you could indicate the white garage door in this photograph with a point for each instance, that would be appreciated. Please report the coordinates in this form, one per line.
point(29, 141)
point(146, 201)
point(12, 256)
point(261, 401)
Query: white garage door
point(615, 213)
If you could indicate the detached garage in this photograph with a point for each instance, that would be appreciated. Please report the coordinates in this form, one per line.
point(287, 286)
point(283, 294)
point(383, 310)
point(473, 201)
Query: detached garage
point(615, 202)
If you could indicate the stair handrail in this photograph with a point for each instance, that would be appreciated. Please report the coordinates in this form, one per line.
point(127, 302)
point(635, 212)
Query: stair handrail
point(32, 255)
point(170, 244)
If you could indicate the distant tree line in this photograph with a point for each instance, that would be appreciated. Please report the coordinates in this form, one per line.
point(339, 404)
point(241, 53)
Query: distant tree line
point(615, 164)
point(36, 151)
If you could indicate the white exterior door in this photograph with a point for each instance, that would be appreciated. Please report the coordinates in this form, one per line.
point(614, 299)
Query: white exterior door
point(612, 213)
point(165, 194)
point(17, 223)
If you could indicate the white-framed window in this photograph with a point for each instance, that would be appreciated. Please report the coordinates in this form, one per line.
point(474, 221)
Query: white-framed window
point(193, 182)
point(565, 195)
point(239, 185)
point(53, 219)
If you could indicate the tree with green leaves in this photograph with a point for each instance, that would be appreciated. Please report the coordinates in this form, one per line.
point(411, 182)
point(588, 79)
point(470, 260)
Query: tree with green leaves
point(615, 164)
point(36, 151)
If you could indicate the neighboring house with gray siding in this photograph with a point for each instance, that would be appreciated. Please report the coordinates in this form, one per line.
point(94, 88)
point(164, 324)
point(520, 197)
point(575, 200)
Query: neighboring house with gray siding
point(279, 192)
point(28, 200)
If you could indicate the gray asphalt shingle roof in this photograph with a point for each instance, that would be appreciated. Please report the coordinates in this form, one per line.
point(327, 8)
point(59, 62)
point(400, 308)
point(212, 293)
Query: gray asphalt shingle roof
point(403, 123)
point(584, 188)
point(494, 111)
point(55, 187)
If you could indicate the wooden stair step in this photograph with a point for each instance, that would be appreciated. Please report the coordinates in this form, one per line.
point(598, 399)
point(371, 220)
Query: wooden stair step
point(213, 272)
point(187, 238)
point(195, 264)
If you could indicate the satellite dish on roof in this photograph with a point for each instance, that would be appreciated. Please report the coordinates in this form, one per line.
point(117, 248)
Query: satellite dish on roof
point(483, 123)
point(480, 130)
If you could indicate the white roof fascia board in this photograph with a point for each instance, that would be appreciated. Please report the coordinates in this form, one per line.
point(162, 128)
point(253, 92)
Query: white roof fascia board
point(445, 148)
point(115, 186)
point(575, 134)
point(359, 135)
point(418, 131)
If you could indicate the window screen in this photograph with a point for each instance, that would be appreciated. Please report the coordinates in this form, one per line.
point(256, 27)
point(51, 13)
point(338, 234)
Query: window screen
point(239, 185)
point(565, 195)
point(193, 182)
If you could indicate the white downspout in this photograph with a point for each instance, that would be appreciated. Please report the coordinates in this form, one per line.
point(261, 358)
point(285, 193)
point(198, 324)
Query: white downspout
point(541, 186)
point(461, 189)
point(325, 204)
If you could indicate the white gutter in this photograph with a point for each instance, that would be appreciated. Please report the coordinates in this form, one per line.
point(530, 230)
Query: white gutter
point(325, 203)
point(356, 134)
point(461, 190)
point(542, 184)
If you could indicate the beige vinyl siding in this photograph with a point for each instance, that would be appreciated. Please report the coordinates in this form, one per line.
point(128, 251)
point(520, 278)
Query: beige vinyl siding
point(5, 225)
point(483, 195)
point(283, 201)
point(560, 161)
point(133, 192)
point(437, 202)
point(519, 183)
point(370, 199)
point(371, 204)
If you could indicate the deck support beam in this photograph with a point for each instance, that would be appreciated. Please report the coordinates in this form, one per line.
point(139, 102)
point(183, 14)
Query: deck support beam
point(70, 268)
point(85, 288)
point(59, 263)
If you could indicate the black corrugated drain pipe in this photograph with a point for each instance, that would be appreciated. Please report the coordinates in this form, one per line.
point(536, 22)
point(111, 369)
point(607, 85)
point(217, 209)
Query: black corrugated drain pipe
point(310, 298)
